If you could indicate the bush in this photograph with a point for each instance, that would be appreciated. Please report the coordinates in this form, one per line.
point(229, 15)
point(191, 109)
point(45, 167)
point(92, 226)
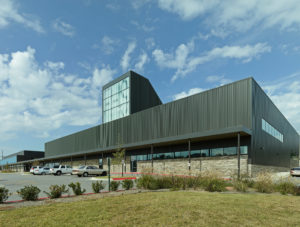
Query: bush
point(214, 185)
point(127, 184)
point(148, 182)
point(56, 191)
point(264, 183)
point(77, 188)
point(297, 190)
point(97, 186)
point(3, 194)
point(29, 193)
point(240, 186)
point(285, 187)
point(114, 185)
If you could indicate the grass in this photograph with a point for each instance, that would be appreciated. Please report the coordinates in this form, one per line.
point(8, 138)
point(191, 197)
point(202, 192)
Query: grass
point(176, 208)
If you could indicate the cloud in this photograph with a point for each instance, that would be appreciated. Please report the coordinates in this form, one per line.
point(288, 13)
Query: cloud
point(102, 76)
point(63, 27)
point(285, 93)
point(142, 60)
point(150, 43)
point(184, 94)
point(142, 27)
point(126, 57)
point(38, 99)
point(108, 44)
point(184, 64)
point(9, 13)
point(235, 15)
point(218, 79)
point(137, 4)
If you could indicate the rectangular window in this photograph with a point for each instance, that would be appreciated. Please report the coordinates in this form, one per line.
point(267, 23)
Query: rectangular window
point(181, 154)
point(217, 152)
point(244, 149)
point(230, 151)
point(271, 130)
point(196, 153)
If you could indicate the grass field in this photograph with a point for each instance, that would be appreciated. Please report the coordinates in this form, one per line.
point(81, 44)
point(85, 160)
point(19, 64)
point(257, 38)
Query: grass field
point(178, 208)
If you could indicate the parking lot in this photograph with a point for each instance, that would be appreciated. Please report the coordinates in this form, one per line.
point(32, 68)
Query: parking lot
point(16, 181)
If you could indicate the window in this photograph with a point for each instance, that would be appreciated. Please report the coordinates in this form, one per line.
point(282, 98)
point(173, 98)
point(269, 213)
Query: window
point(116, 101)
point(230, 151)
point(195, 153)
point(271, 130)
point(181, 154)
point(204, 152)
point(217, 152)
point(244, 149)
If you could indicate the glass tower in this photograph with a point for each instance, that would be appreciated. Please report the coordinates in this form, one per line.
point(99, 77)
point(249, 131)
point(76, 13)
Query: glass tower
point(116, 100)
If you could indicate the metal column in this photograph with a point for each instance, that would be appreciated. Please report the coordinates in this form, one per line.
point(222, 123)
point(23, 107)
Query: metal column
point(189, 147)
point(152, 157)
point(239, 154)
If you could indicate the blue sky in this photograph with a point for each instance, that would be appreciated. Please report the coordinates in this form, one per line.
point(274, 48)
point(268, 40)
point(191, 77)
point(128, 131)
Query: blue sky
point(55, 56)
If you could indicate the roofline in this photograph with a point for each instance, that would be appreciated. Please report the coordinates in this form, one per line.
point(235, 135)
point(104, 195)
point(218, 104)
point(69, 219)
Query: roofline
point(197, 135)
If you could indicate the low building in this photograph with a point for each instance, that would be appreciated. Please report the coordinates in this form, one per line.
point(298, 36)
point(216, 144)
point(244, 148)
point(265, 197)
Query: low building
point(229, 129)
point(13, 161)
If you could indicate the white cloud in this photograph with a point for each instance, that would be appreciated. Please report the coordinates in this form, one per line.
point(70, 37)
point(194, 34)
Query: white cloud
point(136, 4)
point(190, 92)
point(102, 76)
point(142, 60)
point(150, 43)
point(126, 57)
point(238, 15)
point(38, 99)
point(184, 64)
point(108, 44)
point(142, 27)
point(9, 13)
point(285, 93)
point(63, 27)
point(221, 80)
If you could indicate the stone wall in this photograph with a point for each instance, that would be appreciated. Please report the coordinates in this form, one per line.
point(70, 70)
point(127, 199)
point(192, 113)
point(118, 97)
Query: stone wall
point(255, 169)
point(226, 166)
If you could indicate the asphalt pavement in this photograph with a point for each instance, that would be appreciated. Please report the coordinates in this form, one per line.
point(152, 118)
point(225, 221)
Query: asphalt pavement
point(15, 181)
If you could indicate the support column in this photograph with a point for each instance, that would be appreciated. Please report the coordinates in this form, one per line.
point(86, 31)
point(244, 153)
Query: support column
point(71, 161)
point(125, 161)
point(189, 147)
point(85, 159)
point(152, 157)
point(239, 154)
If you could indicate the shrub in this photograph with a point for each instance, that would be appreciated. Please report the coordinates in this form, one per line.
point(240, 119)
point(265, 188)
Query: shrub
point(147, 182)
point(3, 194)
point(76, 188)
point(240, 186)
point(297, 190)
point(215, 185)
point(114, 185)
point(97, 186)
point(56, 191)
point(285, 187)
point(29, 193)
point(264, 183)
point(127, 184)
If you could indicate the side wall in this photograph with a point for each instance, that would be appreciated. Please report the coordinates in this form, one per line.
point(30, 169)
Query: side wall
point(221, 108)
point(266, 149)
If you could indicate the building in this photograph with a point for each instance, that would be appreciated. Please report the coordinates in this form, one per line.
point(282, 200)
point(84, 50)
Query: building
point(12, 161)
point(235, 127)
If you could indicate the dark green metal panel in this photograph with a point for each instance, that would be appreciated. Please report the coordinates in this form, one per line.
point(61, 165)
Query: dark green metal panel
point(267, 150)
point(142, 94)
point(224, 107)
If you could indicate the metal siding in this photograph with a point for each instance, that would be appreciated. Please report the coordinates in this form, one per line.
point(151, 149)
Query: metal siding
point(220, 108)
point(266, 149)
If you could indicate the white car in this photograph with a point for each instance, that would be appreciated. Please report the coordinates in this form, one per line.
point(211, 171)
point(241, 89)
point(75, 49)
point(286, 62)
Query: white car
point(60, 169)
point(295, 171)
point(33, 168)
point(41, 171)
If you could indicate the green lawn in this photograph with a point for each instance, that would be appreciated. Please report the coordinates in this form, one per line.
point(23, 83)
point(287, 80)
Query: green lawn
point(164, 209)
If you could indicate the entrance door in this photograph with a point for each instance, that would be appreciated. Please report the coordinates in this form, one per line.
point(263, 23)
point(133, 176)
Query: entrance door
point(133, 164)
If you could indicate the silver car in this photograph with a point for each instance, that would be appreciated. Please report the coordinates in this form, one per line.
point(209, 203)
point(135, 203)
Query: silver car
point(89, 170)
point(41, 171)
point(295, 171)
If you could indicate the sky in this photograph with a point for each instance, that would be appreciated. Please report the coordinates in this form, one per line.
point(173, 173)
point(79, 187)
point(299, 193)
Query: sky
point(55, 56)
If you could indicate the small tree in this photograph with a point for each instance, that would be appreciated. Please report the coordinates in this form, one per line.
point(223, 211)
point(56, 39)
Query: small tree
point(77, 188)
point(97, 186)
point(56, 191)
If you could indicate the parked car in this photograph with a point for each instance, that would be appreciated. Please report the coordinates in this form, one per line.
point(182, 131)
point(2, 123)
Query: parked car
point(60, 169)
point(89, 170)
point(295, 171)
point(33, 168)
point(41, 171)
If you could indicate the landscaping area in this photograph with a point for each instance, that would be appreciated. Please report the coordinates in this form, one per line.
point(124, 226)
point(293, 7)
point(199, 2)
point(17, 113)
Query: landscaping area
point(174, 208)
